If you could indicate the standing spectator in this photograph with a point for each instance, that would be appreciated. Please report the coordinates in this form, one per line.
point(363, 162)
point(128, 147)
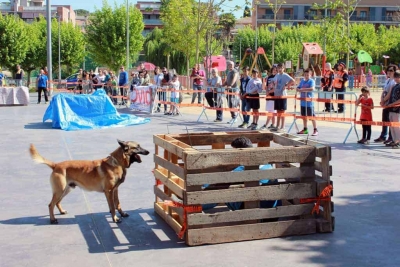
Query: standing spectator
point(237, 66)
point(270, 103)
point(146, 78)
point(339, 84)
point(42, 83)
point(393, 100)
point(19, 76)
point(214, 97)
point(165, 84)
point(306, 89)
point(106, 81)
point(198, 76)
point(78, 87)
point(252, 95)
point(367, 104)
point(114, 90)
point(369, 78)
point(142, 68)
point(122, 83)
point(85, 82)
point(174, 85)
point(158, 77)
point(100, 77)
point(243, 83)
point(326, 83)
point(282, 81)
point(231, 85)
point(390, 82)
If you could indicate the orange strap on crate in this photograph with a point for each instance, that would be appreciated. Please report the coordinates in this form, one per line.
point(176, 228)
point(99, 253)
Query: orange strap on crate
point(324, 196)
point(186, 209)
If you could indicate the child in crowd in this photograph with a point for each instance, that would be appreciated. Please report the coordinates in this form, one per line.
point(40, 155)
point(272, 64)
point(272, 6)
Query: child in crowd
point(367, 104)
point(174, 85)
point(252, 95)
point(114, 90)
point(270, 103)
point(306, 88)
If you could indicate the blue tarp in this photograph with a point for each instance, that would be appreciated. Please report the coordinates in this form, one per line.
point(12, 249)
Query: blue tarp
point(79, 112)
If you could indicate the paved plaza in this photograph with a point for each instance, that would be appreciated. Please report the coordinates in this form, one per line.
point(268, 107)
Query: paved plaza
point(366, 197)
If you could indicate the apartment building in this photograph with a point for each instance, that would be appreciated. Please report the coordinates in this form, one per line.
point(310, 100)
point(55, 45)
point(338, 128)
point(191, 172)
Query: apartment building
point(151, 15)
point(296, 12)
point(29, 10)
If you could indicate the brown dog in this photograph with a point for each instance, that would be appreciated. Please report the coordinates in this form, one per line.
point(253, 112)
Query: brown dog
point(103, 175)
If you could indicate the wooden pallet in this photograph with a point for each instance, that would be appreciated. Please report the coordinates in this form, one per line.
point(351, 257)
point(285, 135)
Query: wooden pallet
point(186, 162)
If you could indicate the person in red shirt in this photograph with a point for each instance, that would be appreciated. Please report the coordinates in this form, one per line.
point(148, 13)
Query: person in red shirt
point(367, 104)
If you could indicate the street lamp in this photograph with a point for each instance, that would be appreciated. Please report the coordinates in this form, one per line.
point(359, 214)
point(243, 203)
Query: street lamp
point(49, 55)
point(59, 48)
point(127, 35)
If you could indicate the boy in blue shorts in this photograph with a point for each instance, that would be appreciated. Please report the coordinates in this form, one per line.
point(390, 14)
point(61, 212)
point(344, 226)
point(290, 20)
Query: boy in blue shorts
point(306, 89)
point(174, 85)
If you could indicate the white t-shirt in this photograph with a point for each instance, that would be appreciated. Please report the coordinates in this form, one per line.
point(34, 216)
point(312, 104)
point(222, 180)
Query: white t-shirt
point(175, 86)
point(254, 86)
point(158, 78)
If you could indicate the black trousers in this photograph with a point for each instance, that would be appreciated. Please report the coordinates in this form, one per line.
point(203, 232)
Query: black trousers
point(211, 98)
point(328, 106)
point(340, 97)
point(44, 89)
point(385, 129)
point(367, 130)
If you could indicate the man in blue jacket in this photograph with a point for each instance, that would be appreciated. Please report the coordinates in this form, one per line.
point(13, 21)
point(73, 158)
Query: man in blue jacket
point(123, 83)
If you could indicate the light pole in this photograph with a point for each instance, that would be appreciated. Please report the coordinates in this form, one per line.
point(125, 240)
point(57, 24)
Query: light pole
point(59, 49)
point(49, 55)
point(326, 14)
point(255, 49)
point(127, 35)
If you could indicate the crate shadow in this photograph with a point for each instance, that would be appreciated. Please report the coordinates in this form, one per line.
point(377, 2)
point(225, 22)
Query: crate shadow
point(366, 234)
point(39, 126)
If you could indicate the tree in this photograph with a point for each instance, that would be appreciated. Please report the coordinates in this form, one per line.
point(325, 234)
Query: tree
point(246, 12)
point(14, 41)
point(227, 23)
point(82, 12)
point(106, 35)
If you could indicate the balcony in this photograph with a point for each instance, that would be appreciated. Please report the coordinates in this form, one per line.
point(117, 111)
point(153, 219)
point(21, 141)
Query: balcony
point(152, 22)
point(279, 17)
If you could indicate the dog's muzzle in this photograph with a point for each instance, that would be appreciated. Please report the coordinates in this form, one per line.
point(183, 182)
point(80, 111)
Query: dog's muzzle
point(135, 156)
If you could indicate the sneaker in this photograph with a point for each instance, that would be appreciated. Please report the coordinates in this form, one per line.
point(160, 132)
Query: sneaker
point(254, 127)
point(364, 142)
point(390, 144)
point(250, 126)
point(396, 146)
point(281, 130)
point(315, 133)
point(243, 125)
point(361, 141)
point(217, 120)
point(158, 110)
point(264, 127)
point(232, 121)
point(271, 126)
point(379, 140)
point(304, 131)
point(274, 129)
point(388, 141)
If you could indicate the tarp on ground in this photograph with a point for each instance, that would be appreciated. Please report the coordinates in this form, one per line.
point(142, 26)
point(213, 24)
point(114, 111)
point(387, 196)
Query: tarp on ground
point(79, 112)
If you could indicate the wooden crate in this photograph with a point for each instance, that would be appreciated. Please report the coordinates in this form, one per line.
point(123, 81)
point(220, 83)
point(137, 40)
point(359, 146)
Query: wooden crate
point(185, 162)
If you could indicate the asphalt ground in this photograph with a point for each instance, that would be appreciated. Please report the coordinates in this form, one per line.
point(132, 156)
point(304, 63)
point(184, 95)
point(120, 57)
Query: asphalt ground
point(366, 197)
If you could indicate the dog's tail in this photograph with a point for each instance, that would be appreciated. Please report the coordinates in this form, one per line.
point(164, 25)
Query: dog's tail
point(38, 158)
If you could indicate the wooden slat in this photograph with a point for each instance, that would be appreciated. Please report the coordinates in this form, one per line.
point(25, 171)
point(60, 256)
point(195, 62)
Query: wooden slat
point(248, 156)
point(160, 194)
point(167, 218)
point(176, 147)
point(174, 168)
point(250, 232)
point(202, 139)
point(174, 187)
point(271, 192)
point(248, 176)
point(291, 140)
point(325, 171)
point(249, 214)
point(320, 168)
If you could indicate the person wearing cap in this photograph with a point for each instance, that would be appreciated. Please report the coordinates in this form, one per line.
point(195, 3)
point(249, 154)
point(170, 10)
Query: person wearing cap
point(326, 83)
point(339, 84)
point(281, 81)
point(367, 104)
point(252, 96)
point(243, 83)
point(231, 85)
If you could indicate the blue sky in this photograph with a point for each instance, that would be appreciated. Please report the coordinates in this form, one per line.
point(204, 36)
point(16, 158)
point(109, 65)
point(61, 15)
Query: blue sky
point(90, 6)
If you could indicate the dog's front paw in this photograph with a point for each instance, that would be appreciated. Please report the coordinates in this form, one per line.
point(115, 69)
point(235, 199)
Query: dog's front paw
point(117, 220)
point(54, 221)
point(124, 214)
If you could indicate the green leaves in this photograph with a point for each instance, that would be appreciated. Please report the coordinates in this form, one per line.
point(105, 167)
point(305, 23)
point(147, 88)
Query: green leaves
point(106, 34)
point(14, 41)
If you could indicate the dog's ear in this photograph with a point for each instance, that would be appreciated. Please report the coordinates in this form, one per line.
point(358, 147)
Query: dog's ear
point(123, 145)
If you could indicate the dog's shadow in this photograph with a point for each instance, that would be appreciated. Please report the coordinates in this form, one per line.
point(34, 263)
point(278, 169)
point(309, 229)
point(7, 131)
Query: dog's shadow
point(142, 230)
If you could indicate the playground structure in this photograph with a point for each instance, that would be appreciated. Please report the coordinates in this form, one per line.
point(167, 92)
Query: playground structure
point(255, 57)
point(311, 57)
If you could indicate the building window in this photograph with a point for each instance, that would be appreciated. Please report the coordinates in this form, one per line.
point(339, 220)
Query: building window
point(312, 14)
point(286, 14)
point(363, 14)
